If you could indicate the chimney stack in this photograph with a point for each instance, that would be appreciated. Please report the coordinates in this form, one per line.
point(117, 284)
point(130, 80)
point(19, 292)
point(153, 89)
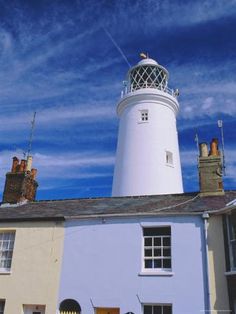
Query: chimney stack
point(20, 184)
point(210, 169)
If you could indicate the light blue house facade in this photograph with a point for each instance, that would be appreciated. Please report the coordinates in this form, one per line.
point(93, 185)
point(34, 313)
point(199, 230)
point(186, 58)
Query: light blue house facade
point(151, 264)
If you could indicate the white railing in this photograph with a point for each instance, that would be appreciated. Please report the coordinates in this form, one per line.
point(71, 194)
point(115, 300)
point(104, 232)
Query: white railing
point(132, 88)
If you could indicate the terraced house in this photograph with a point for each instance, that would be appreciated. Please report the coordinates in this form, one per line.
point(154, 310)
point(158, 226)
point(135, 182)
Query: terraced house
point(150, 254)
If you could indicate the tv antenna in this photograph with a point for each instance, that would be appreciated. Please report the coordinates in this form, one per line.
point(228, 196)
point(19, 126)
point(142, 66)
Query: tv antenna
point(196, 139)
point(220, 126)
point(31, 134)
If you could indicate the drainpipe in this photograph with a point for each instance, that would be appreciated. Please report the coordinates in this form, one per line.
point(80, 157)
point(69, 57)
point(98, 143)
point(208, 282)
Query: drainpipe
point(205, 217)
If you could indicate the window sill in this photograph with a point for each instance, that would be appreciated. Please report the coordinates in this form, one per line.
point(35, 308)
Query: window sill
point(156, 273)
point(231, 272)
point(170, 165)
point(5, 273)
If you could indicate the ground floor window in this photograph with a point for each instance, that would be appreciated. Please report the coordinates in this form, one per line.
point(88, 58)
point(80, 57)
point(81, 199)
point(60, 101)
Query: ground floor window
point(33, 309)
point(157, 309)
point(2, 305)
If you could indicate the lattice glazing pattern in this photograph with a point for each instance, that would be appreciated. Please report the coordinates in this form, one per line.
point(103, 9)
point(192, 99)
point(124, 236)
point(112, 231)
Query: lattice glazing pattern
point(6, 250)
point(148, 76)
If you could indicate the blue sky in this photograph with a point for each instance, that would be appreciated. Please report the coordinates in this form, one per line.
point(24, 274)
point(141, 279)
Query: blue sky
point(57, 59)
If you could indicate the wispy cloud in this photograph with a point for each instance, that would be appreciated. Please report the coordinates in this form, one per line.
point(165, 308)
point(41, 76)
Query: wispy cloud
point(56, 59)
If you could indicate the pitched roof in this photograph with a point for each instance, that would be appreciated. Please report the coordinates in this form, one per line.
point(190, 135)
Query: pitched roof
point(171, 204)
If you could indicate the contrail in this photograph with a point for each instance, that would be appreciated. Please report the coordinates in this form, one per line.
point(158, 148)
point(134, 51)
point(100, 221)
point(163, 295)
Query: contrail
point(117, 47)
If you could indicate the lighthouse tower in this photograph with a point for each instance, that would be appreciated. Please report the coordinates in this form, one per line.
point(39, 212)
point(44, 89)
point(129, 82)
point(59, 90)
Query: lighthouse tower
point(147, 157)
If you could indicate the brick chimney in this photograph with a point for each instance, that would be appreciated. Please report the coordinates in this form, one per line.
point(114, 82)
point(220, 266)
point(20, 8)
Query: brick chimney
point(210, 169)
point(20, 184)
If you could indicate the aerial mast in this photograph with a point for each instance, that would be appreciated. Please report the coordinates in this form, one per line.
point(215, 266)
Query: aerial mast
point(220, 125)
point(31, 135)
point(29, 157)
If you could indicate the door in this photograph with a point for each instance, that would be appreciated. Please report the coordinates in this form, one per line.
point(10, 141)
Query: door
point(34, 309)
point(107, 310)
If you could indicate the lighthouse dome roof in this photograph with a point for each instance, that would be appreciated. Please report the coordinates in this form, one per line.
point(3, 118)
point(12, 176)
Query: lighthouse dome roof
point(147, 61)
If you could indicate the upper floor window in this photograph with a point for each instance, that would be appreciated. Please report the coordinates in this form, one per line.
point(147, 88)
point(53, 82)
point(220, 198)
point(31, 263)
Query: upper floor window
point(7, 239)
point(169, 158)
point(144, 115)
point(157, 248)
point(2, 305)
point(232, 240)
point(157, 309)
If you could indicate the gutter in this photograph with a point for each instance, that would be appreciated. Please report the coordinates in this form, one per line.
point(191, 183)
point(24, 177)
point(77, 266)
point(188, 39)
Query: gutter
point(33, 219)
point(118, 215)
point(223, 210)
point(205, 217)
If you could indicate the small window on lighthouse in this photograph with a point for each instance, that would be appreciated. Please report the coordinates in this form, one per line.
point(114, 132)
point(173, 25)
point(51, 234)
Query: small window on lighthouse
point(144, 115)
point(169, 158)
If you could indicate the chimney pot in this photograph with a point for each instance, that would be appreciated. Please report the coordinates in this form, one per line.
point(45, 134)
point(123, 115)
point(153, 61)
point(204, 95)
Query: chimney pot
point(33, 173)
point(15, 163)
point(214, 147)
point(29, 163)
point(22, 167)
point(203, 150)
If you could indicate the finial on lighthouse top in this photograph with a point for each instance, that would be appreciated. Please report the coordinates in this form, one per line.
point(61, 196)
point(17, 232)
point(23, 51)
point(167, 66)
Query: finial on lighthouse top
point(146, 60)
point(144, 55)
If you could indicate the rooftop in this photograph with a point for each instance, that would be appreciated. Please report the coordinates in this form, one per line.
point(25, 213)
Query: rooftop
point(178, 204)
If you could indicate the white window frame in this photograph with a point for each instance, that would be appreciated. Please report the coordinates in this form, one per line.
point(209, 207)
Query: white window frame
point(144, 116)
point(163, 306)
point(158, 244)
point(7, 240)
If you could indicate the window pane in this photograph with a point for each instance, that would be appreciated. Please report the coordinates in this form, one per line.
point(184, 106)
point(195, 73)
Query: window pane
point(157, 241)
point(233, 246)
point(148, 263)
point(167, 309)
point(157, 252)
point(232, 219)
point(166, 263)
point(157, 309)
point(157, 263)
point(148, 241)
point(166, 252)
point(166, 241)
point(147, 309)
point(148, 252)
point(2, 305)
point(156, 231)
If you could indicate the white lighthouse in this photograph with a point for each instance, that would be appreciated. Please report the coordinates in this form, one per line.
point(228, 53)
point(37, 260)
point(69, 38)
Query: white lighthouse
point(147, 157)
